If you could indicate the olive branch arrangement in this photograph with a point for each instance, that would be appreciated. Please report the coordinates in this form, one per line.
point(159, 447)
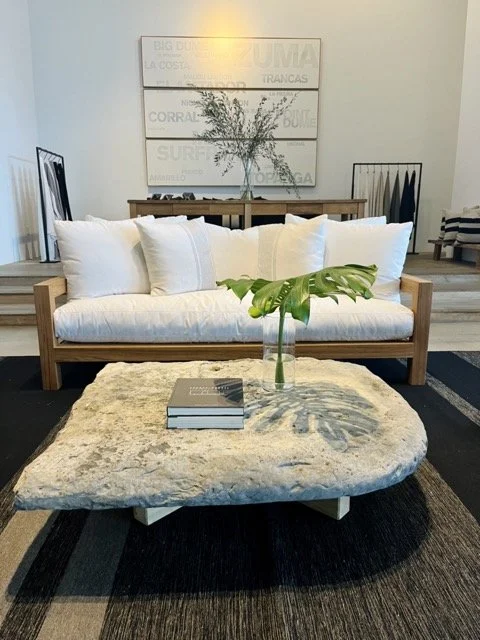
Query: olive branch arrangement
point(247, 138)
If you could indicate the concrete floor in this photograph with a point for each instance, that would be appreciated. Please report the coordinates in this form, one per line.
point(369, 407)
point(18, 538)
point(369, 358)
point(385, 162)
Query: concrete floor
point(444, 336)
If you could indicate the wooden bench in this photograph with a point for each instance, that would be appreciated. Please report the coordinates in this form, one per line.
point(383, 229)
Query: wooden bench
point(457, 250)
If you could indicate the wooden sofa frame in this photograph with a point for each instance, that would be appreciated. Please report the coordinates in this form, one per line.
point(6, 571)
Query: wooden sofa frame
point(53, 352)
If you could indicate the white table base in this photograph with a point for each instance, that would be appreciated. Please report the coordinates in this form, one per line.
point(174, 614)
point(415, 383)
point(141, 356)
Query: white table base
point(335, 508)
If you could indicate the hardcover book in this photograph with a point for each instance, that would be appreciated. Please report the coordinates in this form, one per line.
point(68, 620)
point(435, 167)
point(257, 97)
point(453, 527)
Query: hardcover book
point(205, 422)
point(206, 397)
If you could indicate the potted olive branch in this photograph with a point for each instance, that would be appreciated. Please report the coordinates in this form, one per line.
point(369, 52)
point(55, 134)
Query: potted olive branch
point(248, 139)
point(293, 296)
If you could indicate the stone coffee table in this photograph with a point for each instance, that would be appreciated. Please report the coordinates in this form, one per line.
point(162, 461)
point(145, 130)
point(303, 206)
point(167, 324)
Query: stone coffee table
point(340, 432)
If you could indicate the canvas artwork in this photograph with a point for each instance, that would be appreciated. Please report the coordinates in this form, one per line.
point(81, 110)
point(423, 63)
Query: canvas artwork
point(246, 68)
point(54, 199)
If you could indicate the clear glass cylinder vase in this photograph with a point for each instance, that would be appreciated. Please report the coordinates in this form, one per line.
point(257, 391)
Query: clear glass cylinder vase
point(278, 352)
point(246, 190)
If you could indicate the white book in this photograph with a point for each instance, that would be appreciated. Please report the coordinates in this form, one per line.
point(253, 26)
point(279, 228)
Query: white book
point(205, 422)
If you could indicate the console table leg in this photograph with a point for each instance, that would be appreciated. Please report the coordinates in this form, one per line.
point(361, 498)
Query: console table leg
point(153, 514)
point(335, 508)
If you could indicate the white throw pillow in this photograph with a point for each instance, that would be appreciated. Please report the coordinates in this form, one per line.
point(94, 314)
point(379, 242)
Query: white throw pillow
point(383, 245)
point(178, 256)
point(167, 219)
point(102, 258)
point(286, 251)
point(234, 251)
point(292, 219)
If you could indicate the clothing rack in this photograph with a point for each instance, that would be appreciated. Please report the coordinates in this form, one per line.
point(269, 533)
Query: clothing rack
point(46, 154)
point(417, 166)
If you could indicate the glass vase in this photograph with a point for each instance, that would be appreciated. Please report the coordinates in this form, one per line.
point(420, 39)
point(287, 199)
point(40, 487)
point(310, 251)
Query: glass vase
point(246, 190)
point(278, 352)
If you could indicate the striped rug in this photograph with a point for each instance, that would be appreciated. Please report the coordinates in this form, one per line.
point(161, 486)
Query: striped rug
point(403, 564)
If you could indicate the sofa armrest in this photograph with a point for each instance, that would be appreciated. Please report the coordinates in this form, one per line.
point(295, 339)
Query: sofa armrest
point(53, 287)
point(421, 305)
point(45, 295)
point(421, 292)
point(413, 285)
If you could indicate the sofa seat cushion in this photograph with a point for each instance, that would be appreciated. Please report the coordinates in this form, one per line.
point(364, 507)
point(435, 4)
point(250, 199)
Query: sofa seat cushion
point(218, 316)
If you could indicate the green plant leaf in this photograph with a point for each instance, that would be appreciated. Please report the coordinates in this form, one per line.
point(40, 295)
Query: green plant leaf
point(297, 300)
point(292, 295)
point(239, 287)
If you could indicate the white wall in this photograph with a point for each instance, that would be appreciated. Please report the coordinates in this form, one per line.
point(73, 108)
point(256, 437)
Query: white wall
point(18, 135)
point(466, 190)
point(390, 87)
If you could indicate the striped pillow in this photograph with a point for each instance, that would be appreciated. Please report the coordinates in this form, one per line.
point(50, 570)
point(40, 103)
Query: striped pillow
point(452, 220)
point(441, 235)
point(469, 227)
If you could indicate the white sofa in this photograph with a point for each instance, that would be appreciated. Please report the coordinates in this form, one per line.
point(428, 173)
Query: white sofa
point(213, 324)
point(218, 316)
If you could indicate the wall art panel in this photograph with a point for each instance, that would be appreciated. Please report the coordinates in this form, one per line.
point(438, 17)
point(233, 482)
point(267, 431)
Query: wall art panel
point(234, 63)
point(249, 68)
point(190, 163)
point(172, 114)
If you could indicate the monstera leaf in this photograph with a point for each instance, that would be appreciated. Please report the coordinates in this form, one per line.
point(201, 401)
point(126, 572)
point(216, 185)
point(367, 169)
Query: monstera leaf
point(292, 295)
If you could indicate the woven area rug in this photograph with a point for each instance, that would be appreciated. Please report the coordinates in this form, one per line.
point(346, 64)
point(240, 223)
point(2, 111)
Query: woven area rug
point(404, 563)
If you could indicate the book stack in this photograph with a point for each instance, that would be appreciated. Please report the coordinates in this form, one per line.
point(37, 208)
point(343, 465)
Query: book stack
point(206, 403)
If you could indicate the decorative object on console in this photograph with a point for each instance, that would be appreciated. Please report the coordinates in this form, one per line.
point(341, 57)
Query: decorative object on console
point(292, 296)
point(240, 137)
point(54, 200)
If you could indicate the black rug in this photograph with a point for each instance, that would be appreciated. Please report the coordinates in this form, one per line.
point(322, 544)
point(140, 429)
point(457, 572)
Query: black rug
point(404, 563)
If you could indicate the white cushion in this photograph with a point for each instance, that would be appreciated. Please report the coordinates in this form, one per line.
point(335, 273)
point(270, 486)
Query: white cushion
point(178, 256)
point(218, 316)
point(167, 219)
point(103, 257)
point(288, 250)
point(234, 251)
point(383, 245)
point(292, 219)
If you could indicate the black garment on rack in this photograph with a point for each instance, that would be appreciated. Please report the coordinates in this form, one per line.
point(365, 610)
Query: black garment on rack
point(405, 202)
point(411, 205)
point(395, 202)
point(62, 184)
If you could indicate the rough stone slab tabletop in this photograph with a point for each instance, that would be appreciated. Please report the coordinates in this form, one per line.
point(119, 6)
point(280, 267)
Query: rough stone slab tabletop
point(340, 432)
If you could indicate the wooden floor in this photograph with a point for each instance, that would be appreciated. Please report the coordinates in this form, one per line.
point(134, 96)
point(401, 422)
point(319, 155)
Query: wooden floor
point(455, 313)
point(423, 264)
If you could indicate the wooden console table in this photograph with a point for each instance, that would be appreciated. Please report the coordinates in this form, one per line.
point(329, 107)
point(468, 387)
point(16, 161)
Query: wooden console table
point(247, 209)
